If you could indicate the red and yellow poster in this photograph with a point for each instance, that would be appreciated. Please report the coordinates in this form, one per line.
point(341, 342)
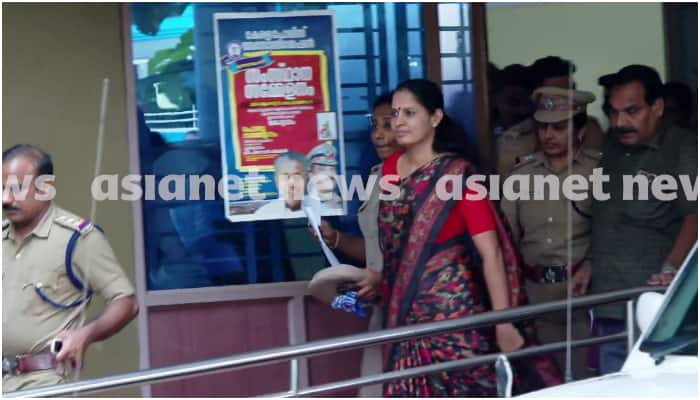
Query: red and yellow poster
point(280, 119)
point(272, 106)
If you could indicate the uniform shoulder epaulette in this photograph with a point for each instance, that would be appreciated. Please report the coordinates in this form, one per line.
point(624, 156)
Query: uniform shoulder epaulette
point(522, 128)
point(593, 153)
point(527, 125)
point(524, 160)
point(83, 226)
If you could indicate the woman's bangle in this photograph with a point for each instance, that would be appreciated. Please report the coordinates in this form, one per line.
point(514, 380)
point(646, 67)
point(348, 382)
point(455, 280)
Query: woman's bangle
point(337, 240)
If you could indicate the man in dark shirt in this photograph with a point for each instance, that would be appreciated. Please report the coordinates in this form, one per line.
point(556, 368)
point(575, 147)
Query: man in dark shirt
point(635, 242)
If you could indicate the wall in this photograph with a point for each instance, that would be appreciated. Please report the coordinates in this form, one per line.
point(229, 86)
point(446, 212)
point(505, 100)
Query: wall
point(54, 60)
point(599, 38)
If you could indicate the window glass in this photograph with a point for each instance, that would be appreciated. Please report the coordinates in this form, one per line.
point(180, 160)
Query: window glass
point(676, 330)
point(456, 64)
point(189, 243)
point(449, 14)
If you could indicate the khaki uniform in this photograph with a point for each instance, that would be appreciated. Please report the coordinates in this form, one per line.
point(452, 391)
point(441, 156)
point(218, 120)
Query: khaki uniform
point(539, 226)
point(517, 141)
point(540, 233)
point(28, 322)
point(521, 139)
point(367, 218)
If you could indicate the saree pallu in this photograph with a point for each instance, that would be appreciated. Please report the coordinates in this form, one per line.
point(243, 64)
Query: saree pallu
point(425, 281)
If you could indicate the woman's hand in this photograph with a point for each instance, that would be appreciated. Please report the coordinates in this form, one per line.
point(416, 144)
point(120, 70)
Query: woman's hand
point(329, 234)
point(369, 287)
point(508, 338)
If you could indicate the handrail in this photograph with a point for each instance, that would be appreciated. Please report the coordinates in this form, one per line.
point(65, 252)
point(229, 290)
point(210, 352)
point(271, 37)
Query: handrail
point(445, 366)
point(268, 356)
point(156, 114)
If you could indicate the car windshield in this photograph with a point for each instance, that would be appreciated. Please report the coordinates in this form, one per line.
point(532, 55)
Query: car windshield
point(676, 330)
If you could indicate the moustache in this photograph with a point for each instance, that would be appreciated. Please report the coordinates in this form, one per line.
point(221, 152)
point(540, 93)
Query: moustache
point(9, 207)
point(623, 130)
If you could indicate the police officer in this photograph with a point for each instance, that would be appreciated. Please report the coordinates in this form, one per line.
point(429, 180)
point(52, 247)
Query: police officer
point(514, 131)
point(52, 263)
point(512, 145)
point(521, 139)
point(558, 72)
point(366, 249)
point(540, 227)
point(324, 169)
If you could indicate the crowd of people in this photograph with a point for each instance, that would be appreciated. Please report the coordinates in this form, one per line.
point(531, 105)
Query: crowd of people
point(426, 258)
point(432, 259)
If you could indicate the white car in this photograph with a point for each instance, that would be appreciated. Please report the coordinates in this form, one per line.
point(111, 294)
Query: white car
point(664, 361)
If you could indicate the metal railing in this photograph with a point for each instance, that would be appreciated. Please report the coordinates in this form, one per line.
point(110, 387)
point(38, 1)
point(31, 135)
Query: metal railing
point(173, 121)
point(286, 353)
point(445, 366)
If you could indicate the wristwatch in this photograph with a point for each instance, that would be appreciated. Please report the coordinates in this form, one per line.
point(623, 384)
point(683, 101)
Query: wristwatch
point(667, 268)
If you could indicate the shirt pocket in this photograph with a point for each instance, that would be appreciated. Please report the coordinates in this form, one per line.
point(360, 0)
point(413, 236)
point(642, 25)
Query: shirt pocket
point(534, 215)
point(54, 284)
point(39, 279)
point(651, 213)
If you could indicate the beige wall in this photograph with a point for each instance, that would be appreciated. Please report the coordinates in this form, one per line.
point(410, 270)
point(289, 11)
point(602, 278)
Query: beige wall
point(599, 38)
point(54, 60)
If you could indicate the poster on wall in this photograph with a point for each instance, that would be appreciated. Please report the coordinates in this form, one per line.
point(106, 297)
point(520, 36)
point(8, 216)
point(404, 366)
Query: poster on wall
point(280, 117)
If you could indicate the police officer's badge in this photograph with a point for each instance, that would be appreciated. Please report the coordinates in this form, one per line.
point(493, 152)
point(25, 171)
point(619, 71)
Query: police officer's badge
point(548, 103)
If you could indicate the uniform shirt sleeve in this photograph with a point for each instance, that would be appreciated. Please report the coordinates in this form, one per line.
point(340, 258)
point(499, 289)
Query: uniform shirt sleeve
point(98, 265)
point(687, 165)
point(367, 219)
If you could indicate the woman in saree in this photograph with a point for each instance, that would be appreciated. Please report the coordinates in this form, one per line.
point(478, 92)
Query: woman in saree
point(442, 258)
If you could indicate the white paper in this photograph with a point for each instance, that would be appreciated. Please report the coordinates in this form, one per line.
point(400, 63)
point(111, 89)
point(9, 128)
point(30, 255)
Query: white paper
point(325, 126)
point(312, 209)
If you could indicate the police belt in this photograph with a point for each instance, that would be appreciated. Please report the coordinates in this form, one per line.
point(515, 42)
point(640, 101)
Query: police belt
point(550, 273)
point(25, 363)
